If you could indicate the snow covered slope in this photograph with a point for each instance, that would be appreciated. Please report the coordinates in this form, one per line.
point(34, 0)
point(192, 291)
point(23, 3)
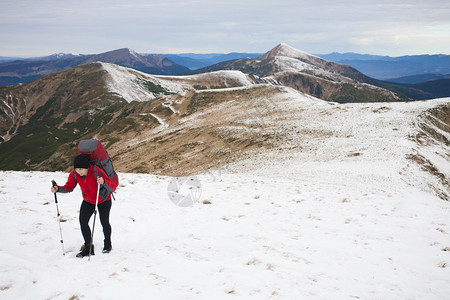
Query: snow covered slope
point(338, 210)
point(353, 144)
point(133, 85)
point(260, 238)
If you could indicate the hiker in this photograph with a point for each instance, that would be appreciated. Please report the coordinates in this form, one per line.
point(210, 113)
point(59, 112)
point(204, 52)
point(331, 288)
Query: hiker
point(84, 174)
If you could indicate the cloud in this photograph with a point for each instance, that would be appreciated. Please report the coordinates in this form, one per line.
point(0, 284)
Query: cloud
point(224, 26)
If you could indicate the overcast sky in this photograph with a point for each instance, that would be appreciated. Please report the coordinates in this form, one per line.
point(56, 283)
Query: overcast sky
point(384, 27)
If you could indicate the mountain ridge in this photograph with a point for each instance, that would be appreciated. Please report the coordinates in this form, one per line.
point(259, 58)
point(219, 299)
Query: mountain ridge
point(17, 71)
point(387, 67)
point(419, 78)
point(96, 85)
point(313, 75)
point(196, 61)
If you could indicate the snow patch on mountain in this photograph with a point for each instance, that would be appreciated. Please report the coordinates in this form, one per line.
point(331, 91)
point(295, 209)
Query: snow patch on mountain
point(133, 85)
point(287, 51)
point(133, 53)
point(289, 64)
point(123, 82)
point(160, 121)
point(236, 77)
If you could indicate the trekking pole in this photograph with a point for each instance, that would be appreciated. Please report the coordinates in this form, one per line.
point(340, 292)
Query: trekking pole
point(59, 219)
point(95, 214)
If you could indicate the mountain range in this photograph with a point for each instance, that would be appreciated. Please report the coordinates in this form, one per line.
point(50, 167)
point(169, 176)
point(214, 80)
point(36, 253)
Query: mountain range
point(96, 97)
point(422, 86)
point(313, 75)
point(182, 125)
point(407, 69)
point(91, 97)
point(419, 76)
point(20, 71)
point(389, 68)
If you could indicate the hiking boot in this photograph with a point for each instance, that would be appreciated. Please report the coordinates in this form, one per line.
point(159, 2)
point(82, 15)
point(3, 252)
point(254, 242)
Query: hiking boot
point(85, 250)
point(107, 246)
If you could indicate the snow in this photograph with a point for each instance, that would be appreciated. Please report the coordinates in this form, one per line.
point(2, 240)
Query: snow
point(127, 83)
point(238, 88)
point(169, 105)
point(347, 217)
point(133, 53)
point(174, 82)
point(286, 50)
point(293, 65)
point(123, 82)
point(349, 144)
point(160, 121)
point(260, 238)
point(289, 64)
point(240, 77)
point(9, 107)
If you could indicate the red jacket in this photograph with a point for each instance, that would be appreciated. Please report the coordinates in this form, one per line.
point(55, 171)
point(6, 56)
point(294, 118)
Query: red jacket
point(88, 186)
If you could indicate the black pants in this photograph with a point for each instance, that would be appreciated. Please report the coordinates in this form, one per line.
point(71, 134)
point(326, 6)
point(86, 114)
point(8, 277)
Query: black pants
point(86, 211)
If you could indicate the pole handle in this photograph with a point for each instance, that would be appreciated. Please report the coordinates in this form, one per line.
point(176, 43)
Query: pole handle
point(56, 199)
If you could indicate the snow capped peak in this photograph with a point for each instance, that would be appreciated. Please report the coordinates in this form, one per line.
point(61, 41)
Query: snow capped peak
point(284, 49)
point(132, 52)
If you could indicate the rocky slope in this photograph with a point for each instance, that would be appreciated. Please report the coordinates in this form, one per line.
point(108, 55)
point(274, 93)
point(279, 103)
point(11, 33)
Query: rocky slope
point(38, 117)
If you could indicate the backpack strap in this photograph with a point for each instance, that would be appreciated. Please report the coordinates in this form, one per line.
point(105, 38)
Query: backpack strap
point(105, 189)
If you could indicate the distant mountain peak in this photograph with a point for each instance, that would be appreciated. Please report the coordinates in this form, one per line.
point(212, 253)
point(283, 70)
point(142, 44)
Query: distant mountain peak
point(123, 51)
point(129, 51)
point(284, 49)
